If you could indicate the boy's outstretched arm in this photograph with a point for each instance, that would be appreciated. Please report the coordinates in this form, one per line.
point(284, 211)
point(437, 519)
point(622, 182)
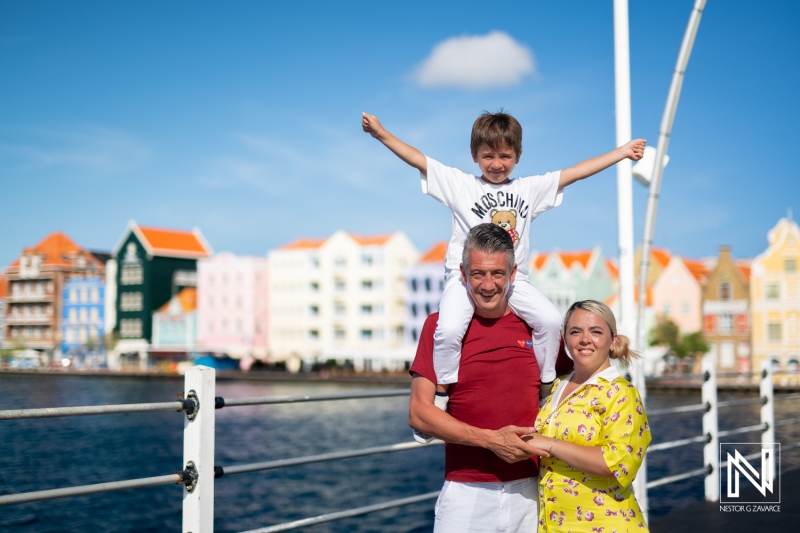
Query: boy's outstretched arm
point(633, 150)
point(404, 151)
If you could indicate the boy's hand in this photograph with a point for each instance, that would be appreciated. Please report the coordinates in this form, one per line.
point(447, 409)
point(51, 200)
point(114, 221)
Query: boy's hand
point(371, 125)
point(633, 150)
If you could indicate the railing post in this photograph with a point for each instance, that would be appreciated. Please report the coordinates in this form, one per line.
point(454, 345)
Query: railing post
point(198, 451)
point(710, 427)
point(767, 391)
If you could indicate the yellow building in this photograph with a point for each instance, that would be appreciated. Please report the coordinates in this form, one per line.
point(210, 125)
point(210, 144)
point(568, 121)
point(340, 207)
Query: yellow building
point(775, 302)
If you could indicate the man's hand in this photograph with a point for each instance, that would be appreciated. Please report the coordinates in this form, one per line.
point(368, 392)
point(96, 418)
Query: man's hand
point(634, 149)
point(371, 125)
point(506, 444)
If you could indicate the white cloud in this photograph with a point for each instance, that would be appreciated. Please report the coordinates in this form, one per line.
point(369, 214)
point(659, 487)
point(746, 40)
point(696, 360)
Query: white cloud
point(88, 149)
point(476, 62)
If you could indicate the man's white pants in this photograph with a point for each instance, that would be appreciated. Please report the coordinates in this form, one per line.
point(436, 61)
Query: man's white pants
point(506, 507)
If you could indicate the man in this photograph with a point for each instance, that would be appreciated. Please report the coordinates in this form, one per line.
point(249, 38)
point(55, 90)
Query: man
point(490, 478)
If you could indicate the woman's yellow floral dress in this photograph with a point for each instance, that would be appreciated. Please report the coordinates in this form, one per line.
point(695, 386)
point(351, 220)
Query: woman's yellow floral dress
point(606, 411)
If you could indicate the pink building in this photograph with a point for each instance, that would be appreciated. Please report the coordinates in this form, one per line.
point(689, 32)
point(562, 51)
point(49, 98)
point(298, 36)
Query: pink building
point(677, 293)
point(232, 306)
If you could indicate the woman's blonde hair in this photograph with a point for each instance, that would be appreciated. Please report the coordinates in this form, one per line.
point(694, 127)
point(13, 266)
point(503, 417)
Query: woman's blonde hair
point(620, 349)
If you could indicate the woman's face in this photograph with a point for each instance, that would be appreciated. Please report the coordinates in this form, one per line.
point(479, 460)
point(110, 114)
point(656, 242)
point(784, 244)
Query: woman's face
point(588, 339)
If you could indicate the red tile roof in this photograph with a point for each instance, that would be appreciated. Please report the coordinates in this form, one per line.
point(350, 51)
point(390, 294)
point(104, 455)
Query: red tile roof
point(187, 298)
point(613, 269)
point(301, 244)
point(162, 241)
point(435, 254)
point(57, 250)
point(697, 269)
point(3, 286)
point(660, 256)
point(744, 268)
point(370, 241)
point(569, 259)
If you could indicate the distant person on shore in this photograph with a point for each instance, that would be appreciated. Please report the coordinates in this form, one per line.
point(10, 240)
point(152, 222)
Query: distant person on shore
point(592, 432)
point(490, 476)
point(512, 204)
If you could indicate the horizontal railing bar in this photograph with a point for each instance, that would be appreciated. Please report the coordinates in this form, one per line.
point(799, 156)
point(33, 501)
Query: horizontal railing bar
point(54, 412)
point(787, 421)
point(26, 497)
point(270, 400)
point(782, 397)
point(668, 377)
point(676, 443)
point(733, 403)
point(678, 477)
point(281, 463)
point(345, 514)
point(681, 409)
point(748, 429)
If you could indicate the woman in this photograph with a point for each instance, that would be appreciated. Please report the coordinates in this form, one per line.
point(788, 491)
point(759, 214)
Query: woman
point(592, 431)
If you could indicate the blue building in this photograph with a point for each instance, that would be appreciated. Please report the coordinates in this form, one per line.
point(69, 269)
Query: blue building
point(82, 325)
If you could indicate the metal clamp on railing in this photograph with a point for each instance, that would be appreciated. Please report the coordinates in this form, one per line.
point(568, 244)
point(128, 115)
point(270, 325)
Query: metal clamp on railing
point(189, 477)
point(190, 405)
point(219, 402)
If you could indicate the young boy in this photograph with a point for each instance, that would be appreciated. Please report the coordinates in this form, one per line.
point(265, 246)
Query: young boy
point(496, 146)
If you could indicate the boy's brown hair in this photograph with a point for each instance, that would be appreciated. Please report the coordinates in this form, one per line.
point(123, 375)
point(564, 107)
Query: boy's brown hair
point(495, 129)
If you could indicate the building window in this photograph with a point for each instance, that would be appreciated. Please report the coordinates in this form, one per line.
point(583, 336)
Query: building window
point(724, 290)
point(314, 262)
point(313, 334)
point(131, 301)
point(427, 284)
point(413, 309)
point(366, 284)
point(340, 262)
point(95, 295)
point(340, 285)
point(685, 307)
point(414, 334)
point(790, 264)
point(793, 365)
point(314, 286)
point(132, 275)
point(313, 310)
point(340, 309)
point(339, 334)
point(774, 332)
point(366, 259)
point(725, 324)
point(773, 291)
point(130, 327)
point(427, 308)
point(366, 309)
point(413, 285)
point(366, 334)
point(73, 296)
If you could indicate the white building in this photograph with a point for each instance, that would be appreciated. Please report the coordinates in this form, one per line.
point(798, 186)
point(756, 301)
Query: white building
point(424, 288)
point(340, 298)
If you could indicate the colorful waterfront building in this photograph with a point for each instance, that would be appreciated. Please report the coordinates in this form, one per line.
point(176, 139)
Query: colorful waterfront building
point(775, 300)
point(566, 277)
point(3, 296)
point(36, 280)
point(424, 288)
point(232, 306)
point(726, 313)
point(342, 299)
point(175, 328)
point(677, 293)
point(152, 265)
point(83, 321)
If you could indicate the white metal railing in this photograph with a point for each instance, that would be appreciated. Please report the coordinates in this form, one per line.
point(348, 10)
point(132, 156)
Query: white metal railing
point(199, 472)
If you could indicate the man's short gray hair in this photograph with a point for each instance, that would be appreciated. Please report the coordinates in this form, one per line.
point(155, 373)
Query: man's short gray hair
point(489, 239)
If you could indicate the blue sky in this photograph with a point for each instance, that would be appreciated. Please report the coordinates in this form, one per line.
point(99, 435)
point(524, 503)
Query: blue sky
point(243, 118)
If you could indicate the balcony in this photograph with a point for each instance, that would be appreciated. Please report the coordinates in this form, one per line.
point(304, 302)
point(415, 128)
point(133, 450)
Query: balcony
point(32, 320)
point(39, 296)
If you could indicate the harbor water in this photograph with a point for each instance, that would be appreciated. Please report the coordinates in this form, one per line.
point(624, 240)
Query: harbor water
point(52, 453)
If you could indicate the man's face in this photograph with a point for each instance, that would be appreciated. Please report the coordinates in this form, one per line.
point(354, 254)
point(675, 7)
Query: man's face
point(496, 164)
point(488, 279)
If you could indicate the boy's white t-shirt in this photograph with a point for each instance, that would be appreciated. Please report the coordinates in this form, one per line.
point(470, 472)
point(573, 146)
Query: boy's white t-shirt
point(474, 201)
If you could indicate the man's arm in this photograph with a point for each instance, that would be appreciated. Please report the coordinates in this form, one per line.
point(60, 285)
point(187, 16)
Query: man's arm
point(425, 417)
point(633, 150)
point(404, 151)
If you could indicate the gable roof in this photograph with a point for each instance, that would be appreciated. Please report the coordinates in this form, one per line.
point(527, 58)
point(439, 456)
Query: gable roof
point(375, 240)
point(581, 259)
point(744, 268)
point(303, 244)
point(698, 269)
point(613, 269)
point(435, 254)
point(189, 244)
point(56, 250)
point(187, 298)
